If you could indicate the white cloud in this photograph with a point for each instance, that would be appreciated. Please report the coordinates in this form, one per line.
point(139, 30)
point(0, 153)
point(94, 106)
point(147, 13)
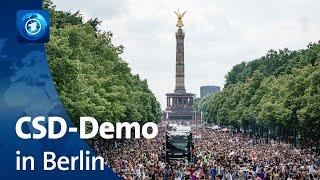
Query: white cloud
point(219, 34)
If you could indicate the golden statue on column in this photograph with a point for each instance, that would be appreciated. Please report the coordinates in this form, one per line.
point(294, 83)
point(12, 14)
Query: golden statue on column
point(180, 16)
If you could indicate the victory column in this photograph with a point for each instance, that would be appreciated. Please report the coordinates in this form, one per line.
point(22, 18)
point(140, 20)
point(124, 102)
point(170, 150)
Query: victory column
point(180, 103)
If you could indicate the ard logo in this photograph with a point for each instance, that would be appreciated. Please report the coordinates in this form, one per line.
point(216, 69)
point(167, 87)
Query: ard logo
point(33, 26)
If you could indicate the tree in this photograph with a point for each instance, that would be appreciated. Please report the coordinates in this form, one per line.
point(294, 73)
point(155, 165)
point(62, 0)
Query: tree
point(275, 95)
point(91, 77)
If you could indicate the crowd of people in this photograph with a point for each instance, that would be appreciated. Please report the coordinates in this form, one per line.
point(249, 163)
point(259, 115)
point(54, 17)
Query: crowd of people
point(216, 155)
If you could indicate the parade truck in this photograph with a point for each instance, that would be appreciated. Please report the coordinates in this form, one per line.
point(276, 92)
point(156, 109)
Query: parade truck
point(178, 145)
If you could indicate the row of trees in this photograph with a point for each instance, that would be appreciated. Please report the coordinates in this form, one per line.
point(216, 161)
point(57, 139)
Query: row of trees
point(277, 95)
point(90, 76)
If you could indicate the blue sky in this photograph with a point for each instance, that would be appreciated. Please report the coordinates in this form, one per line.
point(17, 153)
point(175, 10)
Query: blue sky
point(219, 34)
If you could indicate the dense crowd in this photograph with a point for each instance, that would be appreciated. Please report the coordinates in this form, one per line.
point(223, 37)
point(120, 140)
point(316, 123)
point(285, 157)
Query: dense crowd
point(216, 155)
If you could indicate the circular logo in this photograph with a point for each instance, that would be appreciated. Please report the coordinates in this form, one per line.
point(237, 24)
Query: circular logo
point(33, 26)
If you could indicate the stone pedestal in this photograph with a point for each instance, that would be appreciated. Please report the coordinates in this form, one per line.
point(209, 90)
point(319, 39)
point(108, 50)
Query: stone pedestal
point(180, 107)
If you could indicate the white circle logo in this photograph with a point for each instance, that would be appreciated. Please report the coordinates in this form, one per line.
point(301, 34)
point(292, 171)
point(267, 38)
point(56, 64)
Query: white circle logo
point(33, 26)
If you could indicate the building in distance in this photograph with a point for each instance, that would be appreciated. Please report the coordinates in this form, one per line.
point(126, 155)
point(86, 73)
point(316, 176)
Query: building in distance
point(207, 90)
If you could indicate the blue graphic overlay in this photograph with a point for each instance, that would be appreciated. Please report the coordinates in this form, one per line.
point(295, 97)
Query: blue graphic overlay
point(27, 89)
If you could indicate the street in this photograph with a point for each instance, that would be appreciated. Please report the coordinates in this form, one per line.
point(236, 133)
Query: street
point(216, 155)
